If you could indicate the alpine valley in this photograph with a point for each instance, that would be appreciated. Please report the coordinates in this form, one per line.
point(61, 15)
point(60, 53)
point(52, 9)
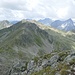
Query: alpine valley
point(31, 48)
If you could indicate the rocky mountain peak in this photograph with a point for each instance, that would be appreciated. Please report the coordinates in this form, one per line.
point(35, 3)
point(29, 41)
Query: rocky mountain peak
point(5, 21)
point(63, 25)
point(69, 19)
point(46, 21)
point(5, 24)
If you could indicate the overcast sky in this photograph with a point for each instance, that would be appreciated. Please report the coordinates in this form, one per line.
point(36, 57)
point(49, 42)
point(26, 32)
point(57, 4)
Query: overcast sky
point(35, 9)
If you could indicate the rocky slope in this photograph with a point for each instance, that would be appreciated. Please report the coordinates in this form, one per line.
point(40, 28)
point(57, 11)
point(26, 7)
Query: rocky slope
point(55, 63)
point(23, 48)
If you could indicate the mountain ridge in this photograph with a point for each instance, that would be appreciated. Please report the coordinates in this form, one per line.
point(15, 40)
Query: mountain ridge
point(66, 25)
point(25, 41)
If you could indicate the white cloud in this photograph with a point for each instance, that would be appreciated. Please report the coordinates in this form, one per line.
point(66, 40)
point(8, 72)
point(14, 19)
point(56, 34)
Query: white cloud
point(62, 12)
point(19, 9)
point(32, 4)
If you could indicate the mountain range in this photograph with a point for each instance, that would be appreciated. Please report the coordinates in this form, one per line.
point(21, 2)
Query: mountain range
point(66, 25)
point(46, 21)
point(32, 48)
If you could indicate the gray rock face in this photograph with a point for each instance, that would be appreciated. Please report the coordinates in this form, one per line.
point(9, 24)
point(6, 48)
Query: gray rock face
point(27, 68)
point(69, 57)
point(53, 59)
point(50, 62)
point(18, 69)
point(30, 65)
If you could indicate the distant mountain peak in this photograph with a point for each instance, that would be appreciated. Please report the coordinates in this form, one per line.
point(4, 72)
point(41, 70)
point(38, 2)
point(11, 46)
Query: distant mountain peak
point(23, 20)
point(46, 21)
point(69, 20)
point(5, 24)
point(5, 21)
point(63, 25)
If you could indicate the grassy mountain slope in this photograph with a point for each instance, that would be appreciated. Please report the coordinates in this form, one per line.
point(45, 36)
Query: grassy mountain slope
point(27, 39)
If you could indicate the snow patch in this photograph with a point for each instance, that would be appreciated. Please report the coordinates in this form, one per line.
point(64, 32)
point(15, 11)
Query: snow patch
point(63, 26)
point(74, 23)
